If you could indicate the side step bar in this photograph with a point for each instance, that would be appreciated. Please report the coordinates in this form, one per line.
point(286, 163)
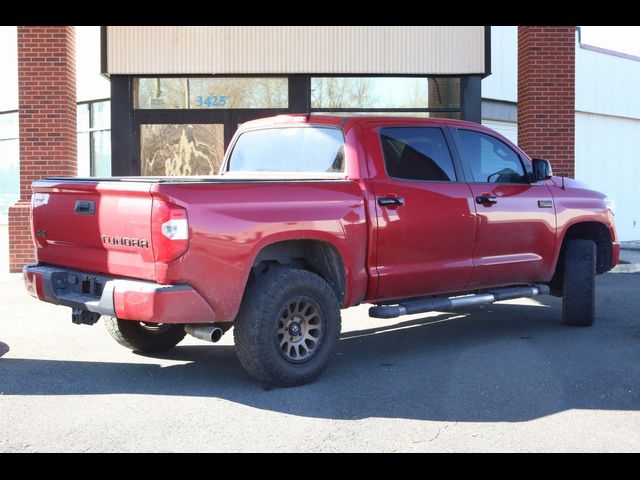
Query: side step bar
point(443, 304)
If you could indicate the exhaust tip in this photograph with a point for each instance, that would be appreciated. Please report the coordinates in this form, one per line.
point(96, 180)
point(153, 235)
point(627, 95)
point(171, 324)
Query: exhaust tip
point(216, 334)
point(208, 333)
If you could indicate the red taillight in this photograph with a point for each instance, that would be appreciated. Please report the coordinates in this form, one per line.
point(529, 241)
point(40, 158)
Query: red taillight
point(169, 231)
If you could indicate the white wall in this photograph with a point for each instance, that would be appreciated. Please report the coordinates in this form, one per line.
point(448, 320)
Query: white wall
point(90, 84)
point(608, 132)
point(502, 84)
point(337, 49)
point(608, 159)
point(607, 84)
point(9, 73)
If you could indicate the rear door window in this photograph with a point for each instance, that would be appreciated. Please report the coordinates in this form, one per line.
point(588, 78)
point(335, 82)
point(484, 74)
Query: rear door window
point(417, 153)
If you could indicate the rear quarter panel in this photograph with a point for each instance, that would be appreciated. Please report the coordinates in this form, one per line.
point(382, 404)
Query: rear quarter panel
point(231, 222)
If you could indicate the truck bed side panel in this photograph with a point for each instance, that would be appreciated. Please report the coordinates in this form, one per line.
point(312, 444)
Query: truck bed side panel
point(231, 222)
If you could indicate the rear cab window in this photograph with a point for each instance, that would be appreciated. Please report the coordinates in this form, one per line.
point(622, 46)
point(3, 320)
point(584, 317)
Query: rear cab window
point(297, 149)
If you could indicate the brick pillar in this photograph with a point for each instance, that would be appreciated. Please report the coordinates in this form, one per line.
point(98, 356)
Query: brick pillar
point(546, 95)
point(47, 116)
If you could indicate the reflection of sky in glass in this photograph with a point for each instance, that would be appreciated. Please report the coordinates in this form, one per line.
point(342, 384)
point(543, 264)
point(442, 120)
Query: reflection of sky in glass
point(400, 91)
point(384, 92)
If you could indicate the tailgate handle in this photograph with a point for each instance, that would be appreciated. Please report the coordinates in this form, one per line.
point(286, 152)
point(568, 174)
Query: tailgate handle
point(85, 207)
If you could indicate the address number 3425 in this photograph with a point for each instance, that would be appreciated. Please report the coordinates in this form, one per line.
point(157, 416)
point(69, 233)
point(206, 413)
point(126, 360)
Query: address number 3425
point(211, 101)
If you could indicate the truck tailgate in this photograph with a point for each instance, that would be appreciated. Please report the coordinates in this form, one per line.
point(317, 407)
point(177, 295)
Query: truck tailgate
point(94, 226)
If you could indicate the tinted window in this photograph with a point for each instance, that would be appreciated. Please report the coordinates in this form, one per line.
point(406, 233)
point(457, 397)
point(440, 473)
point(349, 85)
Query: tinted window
point(417, 153)
point(491, 160)
point(292, 149)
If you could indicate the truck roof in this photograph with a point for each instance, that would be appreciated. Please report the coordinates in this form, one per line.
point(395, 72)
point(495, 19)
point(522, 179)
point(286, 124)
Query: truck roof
point(340, 119)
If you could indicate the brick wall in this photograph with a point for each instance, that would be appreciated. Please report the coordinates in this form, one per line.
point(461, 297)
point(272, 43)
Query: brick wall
point(47, 120)
point(546, 94)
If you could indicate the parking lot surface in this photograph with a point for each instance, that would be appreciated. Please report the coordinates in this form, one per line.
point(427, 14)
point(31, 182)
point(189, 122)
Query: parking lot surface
point(503, 377)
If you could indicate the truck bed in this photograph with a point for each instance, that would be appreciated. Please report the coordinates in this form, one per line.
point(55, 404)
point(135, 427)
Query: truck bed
point(230, 220)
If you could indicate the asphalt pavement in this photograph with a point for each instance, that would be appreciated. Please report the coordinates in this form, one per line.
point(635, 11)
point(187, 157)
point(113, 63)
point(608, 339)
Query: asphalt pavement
point(503, 377)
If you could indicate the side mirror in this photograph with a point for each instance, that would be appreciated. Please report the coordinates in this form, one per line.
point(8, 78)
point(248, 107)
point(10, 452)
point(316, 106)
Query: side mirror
point(541, 170)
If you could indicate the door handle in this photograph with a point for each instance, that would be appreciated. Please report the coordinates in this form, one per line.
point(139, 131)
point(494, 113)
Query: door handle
point(486, 199)
point(85, 207)
point(391, 201)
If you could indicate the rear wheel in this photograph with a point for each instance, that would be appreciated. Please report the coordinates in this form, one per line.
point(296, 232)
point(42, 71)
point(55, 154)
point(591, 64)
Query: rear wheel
point(579, 289)
point(288, 327)
point(144, 337)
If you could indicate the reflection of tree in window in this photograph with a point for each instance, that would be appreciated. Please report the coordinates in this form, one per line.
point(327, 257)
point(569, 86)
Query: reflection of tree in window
point(336, 92)
point(242, 92)
point(182, 93)
point(177, 150)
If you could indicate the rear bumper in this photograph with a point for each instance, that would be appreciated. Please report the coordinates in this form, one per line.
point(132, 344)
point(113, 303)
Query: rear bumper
point(126, 299)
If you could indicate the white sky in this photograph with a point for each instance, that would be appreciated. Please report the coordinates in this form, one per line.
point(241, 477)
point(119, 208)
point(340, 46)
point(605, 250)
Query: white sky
point(620, 39)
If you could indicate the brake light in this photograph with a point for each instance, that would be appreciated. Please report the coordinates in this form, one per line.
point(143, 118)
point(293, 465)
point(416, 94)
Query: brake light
point(169, 231)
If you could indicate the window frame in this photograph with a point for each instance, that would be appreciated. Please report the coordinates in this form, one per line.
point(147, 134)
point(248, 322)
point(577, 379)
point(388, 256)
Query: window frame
point(92, 130)
point(465, 157)
point(457, 168)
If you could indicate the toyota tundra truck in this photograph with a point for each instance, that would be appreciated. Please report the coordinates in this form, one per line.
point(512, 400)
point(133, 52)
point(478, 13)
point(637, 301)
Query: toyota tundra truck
point(311, 214)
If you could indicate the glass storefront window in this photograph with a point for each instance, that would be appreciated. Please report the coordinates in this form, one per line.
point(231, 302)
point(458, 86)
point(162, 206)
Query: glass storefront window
point(452, 115)
point(94, 139)
point(155, 93)
point(210, 93)
point(384, 92)
point(9, 162)
point(84, 117)
point(101, 115)
point(181, 149)
point(84, 154)
point(101, 151)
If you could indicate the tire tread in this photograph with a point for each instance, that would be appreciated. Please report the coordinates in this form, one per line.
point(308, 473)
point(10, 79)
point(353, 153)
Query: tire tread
point(578, 303)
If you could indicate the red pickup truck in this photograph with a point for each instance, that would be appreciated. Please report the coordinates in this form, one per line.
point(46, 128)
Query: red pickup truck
point(311, 214)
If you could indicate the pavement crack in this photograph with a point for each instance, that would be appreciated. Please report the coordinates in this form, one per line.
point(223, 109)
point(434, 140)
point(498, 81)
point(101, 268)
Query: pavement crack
point(439, 432)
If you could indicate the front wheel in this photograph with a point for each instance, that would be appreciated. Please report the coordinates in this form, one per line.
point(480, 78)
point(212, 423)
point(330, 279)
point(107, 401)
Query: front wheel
point(287, 327)
point(579, 289)
point(144, 337)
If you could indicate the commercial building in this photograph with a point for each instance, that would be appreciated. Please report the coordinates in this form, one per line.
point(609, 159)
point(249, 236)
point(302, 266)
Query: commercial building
point(177, 95)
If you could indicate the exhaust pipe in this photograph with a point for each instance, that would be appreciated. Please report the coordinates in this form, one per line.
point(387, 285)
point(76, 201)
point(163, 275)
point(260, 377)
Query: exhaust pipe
point(208, 333)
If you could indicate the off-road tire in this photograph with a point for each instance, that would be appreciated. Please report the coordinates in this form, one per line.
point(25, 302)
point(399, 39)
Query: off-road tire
point(579, 289)
point(269, 302)
point(144, 338)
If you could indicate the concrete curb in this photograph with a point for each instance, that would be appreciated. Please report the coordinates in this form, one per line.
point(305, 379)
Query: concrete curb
point(626, 268)
point(629, 261)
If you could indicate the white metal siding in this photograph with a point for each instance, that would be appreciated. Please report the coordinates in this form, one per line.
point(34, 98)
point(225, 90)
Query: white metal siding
point(607, 159)
point(607, 84)
point(295, 49)
point(502, 84)
point(506, 129)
